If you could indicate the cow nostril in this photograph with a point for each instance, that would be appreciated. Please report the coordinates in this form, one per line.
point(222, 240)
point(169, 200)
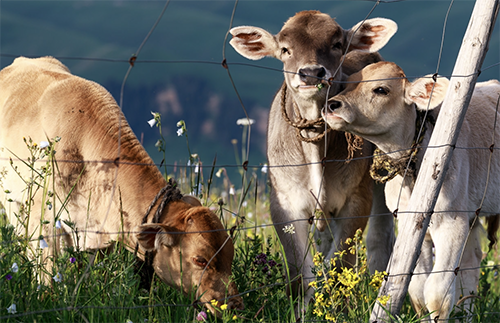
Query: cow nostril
point(334, 105)
point(322, 72)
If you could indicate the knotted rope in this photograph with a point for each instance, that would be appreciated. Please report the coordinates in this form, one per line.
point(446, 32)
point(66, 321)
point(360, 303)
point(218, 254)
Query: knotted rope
point(384, 168)
point(170, 193)
point(318, 125)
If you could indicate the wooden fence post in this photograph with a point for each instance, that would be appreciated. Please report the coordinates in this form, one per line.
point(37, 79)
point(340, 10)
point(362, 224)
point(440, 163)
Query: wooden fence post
point(436, 160)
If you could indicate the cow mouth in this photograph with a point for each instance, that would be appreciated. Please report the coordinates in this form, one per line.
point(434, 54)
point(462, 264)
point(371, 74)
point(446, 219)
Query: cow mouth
point(332, 117)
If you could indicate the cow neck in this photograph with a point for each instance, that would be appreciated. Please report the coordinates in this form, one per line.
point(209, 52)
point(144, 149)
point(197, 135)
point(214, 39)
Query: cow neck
point(317, 125)
point(385, 168)
point(167, 194)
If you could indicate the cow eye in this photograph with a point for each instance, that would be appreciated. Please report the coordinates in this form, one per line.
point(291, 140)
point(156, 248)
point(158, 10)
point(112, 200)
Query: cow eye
point(200, 261)
point(337, 45)
point(285, 50)
point(380, 90)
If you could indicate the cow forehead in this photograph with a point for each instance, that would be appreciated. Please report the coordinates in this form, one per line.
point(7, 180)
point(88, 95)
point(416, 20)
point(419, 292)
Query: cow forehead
point(310, 28)
point(210, 228)
point(377, 74)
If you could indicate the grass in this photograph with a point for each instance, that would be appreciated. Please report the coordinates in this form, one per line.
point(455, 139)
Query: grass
point(104, 286)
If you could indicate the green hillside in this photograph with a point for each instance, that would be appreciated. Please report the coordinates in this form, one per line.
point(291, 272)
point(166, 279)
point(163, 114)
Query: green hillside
point(187, 47)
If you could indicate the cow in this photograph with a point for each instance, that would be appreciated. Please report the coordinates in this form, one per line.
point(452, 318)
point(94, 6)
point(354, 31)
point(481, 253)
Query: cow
point(106, 187)
point(304, 180)
point(382, 106)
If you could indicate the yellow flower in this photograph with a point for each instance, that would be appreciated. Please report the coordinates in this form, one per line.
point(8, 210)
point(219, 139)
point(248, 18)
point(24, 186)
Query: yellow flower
point(223, 307)
point(313, 284)
point(318, 259)
point(235, 317)
point(383, 299)
point(213, 303)
point(330, 317)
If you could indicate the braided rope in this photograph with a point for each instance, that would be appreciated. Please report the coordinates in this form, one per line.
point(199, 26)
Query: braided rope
point(384, 168)
point(317, 125)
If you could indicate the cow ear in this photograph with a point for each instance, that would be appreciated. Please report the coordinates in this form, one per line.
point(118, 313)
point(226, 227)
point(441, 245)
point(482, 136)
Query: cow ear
point(426, 93)
point(253, 42)
point(152, 236)
point(191, 200)
point(371, 35)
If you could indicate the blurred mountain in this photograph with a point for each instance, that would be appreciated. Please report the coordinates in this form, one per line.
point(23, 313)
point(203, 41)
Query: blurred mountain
point(179, 72)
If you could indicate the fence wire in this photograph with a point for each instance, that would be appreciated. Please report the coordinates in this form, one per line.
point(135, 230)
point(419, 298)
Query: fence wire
point(136, 62)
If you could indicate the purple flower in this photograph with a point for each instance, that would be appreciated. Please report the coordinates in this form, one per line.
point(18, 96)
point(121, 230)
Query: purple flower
point(72, 260)
point(8, 277)
point(271, 263)
point(202, 316)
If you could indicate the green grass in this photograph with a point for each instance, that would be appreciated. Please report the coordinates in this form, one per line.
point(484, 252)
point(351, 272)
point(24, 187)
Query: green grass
point(105, 286)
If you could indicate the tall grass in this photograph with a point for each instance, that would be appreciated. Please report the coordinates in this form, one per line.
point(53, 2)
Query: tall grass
point(105, 286)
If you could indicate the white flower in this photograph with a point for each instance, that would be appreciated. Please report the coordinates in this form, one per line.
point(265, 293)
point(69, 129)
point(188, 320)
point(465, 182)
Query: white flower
point(264, 169)
point(249, 215)
point(245, 122)
point(197, 168)
point(219, 172)
point(43, 244)
point(58, 224)
point(231, 190)
point(180, 123)
point(129, 321)
point(180, 132)
point(290, 229)
point(57, 278)
point(14, 268)
point(244, 204)
point(43, 144)
point(12, 309)
point(152, 122)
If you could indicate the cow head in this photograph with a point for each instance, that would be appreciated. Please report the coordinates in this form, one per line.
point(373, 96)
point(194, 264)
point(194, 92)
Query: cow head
point(311, 46)
point(192, 250)
point(378, 104)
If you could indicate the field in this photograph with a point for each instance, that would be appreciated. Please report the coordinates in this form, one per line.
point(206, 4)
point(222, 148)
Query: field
point(105, 286)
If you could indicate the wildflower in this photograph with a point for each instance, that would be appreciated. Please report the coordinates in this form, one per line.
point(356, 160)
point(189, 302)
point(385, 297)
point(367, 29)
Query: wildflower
point(383, 299)
point(264, 169)
point(8, 277)
point(196, 168)
point(12, 309)
point(219, 172)
point(152, 122)
point(58, 224)
point(245, 122)
point(43, 244)
point(290, 229)
point(57, 278)
point(318, 259)
point(43, 144)
point(231, 190)
point(202, 316)
point(72, 260)
point(213, 303)
point(182, 128)
point(14, 268)
point(156, 117)
point(235, 317)
point(129, 321)
point(223, 307)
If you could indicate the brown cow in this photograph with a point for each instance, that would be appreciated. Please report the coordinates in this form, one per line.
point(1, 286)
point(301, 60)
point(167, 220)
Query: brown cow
point(108, 196)
point(311, 46)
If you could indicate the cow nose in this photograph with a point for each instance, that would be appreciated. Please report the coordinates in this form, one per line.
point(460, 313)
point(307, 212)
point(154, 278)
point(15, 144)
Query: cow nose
point(334, 105)
point(312, 74)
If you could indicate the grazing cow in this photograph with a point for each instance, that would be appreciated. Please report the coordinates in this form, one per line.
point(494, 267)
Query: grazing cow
point(312, 47)
point(107, 196)
point(388, 112)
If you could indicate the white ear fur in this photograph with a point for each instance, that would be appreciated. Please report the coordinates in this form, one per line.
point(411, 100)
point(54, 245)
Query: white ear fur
point(372, 34)
point(426, 93)
point(254, 42)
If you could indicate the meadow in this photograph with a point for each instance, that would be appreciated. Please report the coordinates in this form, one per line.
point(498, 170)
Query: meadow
point(105, 286)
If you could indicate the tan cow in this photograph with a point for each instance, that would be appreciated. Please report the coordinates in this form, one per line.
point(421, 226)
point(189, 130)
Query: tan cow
point(385, 108)
point(311, 46)
point(40, 99)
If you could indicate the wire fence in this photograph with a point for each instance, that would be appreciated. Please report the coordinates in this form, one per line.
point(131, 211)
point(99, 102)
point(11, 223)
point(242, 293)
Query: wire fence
point(135, 62)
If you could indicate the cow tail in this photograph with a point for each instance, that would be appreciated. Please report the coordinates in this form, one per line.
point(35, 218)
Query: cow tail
point(492, 224)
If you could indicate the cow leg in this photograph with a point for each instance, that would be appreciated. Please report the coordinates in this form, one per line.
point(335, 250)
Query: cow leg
point(468, 276)
point(421, 273)
point(380, 236)
point(297, 246)
point(449, 233)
